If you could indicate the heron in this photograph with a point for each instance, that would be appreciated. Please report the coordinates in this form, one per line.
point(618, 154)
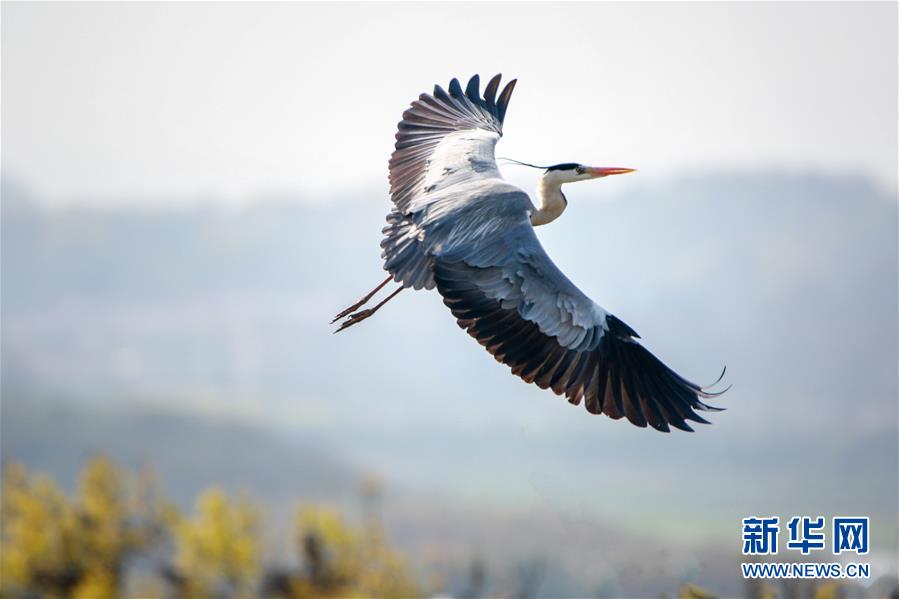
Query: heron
point(456, 225)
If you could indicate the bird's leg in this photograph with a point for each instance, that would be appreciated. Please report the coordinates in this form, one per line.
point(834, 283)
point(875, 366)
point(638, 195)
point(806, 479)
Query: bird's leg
point(363, 301)
point(357, 317)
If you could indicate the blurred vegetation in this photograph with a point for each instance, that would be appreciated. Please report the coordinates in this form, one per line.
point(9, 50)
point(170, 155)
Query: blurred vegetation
point(82, 546)
point(118, 535)
point(77, 546)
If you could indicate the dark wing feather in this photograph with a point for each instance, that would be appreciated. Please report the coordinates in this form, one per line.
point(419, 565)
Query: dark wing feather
point(618, 376)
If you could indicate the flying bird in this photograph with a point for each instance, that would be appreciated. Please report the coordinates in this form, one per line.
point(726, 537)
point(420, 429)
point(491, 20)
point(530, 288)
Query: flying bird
point(456, 225)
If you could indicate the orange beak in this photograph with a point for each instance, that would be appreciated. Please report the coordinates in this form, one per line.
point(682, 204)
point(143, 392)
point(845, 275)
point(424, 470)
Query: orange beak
point(605, 171)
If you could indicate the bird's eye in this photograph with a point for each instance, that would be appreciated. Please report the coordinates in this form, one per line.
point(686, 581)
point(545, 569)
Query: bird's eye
point(579, 170)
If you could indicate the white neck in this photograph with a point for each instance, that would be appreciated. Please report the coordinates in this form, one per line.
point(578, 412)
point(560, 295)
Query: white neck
point(552, 202)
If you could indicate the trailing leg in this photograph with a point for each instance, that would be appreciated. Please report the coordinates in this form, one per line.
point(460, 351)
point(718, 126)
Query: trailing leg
point(360, 316)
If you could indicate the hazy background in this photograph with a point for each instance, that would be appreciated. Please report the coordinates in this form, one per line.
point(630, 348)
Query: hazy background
point(190, 191)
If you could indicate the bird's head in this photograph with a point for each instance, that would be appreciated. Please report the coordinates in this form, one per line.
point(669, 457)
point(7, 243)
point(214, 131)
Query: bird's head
point(571, 172)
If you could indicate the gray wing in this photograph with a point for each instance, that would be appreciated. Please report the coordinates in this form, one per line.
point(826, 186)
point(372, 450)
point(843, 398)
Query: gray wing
point(445, 140)
point(507, 293)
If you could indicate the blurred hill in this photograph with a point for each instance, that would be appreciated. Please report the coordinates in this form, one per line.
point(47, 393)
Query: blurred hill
point(197, 337)
point(191, 453)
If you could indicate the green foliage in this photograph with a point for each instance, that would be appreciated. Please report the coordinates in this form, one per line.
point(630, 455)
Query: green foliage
point(54, 545)
point(79, 546)
point(692, 591)
point(341, 561)
point(218, 550)
point(38, 540)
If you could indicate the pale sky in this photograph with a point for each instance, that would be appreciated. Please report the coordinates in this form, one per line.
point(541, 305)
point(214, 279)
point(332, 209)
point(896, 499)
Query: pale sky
point(155, 102)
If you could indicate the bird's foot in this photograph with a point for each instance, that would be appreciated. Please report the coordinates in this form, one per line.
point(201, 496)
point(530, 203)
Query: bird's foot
point(363, 301)
point(355, 318)
point(355, 306)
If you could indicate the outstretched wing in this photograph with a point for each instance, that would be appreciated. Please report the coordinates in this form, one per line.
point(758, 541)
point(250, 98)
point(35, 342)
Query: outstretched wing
point(506, 292)
point(445, 140)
